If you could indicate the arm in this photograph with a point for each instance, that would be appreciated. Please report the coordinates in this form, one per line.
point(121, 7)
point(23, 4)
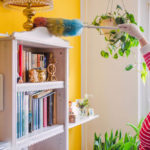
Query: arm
point(133, 30)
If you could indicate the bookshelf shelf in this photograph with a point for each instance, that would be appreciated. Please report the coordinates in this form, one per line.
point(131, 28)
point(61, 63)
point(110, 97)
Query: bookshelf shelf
point(82, 121)
point(39, 135)
point(26, 87)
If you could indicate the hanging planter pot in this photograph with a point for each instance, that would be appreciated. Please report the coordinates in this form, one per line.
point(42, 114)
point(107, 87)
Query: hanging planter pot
point(119, 44)
point(107, 22)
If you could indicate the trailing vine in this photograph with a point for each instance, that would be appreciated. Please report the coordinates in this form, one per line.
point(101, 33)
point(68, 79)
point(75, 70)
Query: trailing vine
point(119, 44)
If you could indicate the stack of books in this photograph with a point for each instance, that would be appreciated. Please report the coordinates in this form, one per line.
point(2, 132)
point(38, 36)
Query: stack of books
point(35, 111)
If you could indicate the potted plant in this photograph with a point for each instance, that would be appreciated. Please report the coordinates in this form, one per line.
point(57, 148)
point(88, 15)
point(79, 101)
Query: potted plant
point(119, 43)
point(117, 141)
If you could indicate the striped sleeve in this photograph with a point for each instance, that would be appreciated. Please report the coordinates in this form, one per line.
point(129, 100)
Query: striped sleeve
point(146, 54)
point(145, 134)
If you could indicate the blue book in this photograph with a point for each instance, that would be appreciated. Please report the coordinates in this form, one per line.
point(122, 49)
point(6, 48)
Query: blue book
point(18, 114)
point(45, 65)
point(50, 110)
point(34, 114)
point(20, 133)
point(37, 114)
point(30, 114)
point(40, 113)
point(23, 114)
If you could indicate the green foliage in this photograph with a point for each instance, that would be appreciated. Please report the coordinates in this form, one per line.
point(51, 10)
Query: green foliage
point(117, 141)
point(144, 73)
point(120, 43)
point(129, 67)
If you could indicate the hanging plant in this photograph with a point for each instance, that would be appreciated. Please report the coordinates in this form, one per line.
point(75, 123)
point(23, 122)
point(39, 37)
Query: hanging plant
point(119, 44)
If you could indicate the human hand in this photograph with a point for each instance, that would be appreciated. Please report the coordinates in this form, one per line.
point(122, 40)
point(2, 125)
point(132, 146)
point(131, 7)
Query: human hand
point(132, 29)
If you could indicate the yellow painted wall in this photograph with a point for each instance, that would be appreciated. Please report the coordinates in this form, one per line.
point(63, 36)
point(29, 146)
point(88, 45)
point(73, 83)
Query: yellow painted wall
point(11, 21)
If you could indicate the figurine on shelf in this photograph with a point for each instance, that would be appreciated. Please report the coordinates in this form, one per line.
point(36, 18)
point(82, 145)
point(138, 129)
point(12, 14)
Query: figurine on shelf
point(33, 75)
point(41, 75)
point(72, 116)
point(51, 68)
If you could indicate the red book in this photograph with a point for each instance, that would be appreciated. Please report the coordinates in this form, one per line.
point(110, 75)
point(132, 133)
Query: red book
point(45, 112)
point(38, 60)
point(20, 60)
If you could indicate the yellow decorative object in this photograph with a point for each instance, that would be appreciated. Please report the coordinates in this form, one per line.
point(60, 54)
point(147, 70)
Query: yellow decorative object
point(51, 68)
point(37, 5)
point(41, 75)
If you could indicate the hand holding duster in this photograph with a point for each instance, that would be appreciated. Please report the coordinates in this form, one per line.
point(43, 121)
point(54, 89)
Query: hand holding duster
point(64, 27)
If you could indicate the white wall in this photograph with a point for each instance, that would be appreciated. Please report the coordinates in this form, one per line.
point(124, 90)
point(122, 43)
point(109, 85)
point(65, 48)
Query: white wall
point(115, 91)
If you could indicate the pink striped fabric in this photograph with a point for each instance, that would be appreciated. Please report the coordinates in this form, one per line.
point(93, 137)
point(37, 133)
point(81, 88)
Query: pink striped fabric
point(147, 59)
point(145, 134)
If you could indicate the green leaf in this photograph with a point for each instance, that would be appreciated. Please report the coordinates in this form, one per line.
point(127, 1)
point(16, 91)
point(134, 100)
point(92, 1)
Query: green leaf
point(110, 51)
point(104, 54)
point(123, 38)
point(141, 29)
point(129, 67)
point(140, 123)
point(120, 135)
point(120, 20)
point(119, 7)
point(127, 52)
point(116, 56)
point(121, 53)
point(133, 127)
point(144, 65)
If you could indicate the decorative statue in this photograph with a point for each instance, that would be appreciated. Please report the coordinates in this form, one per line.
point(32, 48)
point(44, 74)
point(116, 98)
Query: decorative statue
point(51, 68)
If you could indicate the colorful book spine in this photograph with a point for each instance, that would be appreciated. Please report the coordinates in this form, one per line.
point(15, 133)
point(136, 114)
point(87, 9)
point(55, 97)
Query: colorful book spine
point(37, 114)
point(50, 110)
point(40, 123)
point(38, 60)
point(23, 114)
point(30, 113)
point(20, 60)
point(34, 60)
point(42, 60)
point(30, 67)
point(26, 111)
point(45, 63)
point(34, 114)
point(54, 109)
point(21, 97)
point(18, 114)
point(45, 112)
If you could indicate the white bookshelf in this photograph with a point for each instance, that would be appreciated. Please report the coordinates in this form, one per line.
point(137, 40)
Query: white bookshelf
point(82, 121)
point(37, 40)
point(53, 137)
point(21, 87)
point(39, 135)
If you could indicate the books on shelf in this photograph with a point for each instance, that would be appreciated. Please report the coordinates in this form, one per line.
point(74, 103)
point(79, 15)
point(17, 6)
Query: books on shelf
point(28, 61)
point(35, 111)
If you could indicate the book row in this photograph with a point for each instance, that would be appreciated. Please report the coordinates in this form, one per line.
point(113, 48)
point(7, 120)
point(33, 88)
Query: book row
point(28, 61)
point(35, 111)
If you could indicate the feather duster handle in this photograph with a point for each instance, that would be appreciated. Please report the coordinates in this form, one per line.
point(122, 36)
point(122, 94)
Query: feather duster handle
point(64, 27)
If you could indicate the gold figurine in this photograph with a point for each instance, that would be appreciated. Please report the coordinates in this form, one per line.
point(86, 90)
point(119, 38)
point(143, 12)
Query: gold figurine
point(51, 68)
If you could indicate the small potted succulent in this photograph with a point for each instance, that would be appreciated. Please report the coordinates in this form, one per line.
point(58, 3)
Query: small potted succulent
point(119, 44)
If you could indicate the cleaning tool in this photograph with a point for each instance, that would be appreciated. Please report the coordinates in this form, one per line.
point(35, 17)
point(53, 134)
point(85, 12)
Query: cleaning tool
point(65, 27)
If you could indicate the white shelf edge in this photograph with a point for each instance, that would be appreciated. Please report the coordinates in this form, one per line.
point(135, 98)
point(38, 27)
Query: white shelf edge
point(82, 121)
point(39, 135)
point(25, 87)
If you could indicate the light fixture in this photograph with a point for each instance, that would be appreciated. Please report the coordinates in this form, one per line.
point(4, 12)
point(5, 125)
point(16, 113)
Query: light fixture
point(31, 6)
